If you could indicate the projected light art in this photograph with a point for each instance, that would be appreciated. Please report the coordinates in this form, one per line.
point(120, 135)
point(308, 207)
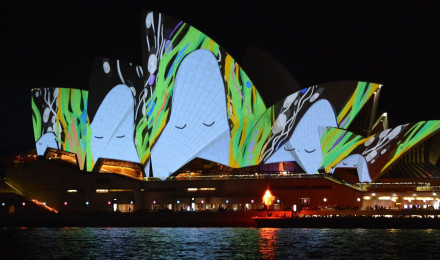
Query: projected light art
point(191, 99)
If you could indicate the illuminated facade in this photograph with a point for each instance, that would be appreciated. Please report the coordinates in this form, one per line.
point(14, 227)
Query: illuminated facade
point(191, 101)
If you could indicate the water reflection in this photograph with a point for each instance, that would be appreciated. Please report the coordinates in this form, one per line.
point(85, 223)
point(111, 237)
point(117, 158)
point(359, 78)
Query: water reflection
point(217, 243)
point(268, 242)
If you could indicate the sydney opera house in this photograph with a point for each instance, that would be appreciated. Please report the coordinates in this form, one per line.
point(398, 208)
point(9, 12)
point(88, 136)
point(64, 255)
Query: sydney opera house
point(188, 130)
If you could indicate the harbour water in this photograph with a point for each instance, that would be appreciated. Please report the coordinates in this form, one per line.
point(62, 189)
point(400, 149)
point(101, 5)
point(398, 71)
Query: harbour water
point(218, 243)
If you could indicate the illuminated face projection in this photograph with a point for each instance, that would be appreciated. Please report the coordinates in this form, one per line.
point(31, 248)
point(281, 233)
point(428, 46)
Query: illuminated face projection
point(304, 145)
point(166, 43)
point(293, 108)
point(113, 127)
point(46, 141)
point(198, 121)
point(356, 161)
point(350, 98)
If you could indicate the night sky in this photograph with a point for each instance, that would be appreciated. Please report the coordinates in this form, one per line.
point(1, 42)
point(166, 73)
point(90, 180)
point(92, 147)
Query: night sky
point(52, 44)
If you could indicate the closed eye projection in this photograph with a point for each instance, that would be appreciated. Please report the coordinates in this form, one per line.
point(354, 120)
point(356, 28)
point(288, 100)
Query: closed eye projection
point(208, 125)
point(289, 150)
point(180, 127)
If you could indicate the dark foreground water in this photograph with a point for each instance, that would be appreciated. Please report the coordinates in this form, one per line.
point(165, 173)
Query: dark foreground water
point(218, 243)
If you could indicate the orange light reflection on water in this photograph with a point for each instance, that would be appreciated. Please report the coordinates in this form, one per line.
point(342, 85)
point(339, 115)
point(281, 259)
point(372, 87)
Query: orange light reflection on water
point(268, 242)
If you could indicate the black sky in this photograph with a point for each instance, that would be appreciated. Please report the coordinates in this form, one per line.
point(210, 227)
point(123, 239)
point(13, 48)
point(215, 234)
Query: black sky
point(52, 44)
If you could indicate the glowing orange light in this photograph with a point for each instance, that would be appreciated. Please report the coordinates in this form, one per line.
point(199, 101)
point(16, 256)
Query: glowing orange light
point(268, 198)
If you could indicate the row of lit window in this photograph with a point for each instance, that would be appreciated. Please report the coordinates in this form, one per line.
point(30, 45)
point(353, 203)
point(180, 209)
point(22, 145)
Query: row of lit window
point(104, 190)
point(414, 194)
point(394, 197)
point(325, 199)
point(129, 190)
point(229, 175)
point(196, 189)
point(202, 201)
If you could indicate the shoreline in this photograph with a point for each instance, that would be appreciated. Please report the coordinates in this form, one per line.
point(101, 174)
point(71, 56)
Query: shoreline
point(253, 219)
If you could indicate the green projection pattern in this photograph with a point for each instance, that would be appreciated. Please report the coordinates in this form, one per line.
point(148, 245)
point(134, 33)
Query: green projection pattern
point(36, 120)
point(361, 95)
point(380, 151)
point(63, 112)
point(244, 106)
point(415, 134)
point(336, 144)
point(254, 145)
point(74, 131)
